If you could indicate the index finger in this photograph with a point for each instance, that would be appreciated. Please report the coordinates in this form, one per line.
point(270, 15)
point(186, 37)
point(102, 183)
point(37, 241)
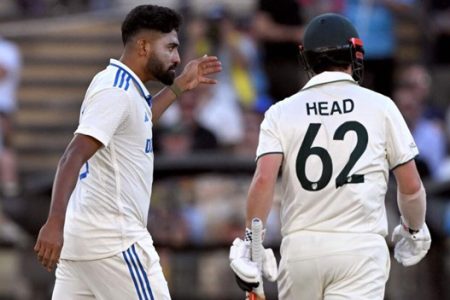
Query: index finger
point(207, 58)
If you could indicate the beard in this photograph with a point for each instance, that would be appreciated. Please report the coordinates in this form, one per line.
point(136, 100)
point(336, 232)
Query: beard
point(156, 68)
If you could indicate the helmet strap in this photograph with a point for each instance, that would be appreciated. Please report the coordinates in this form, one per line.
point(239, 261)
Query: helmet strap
point(357, 55)
point(304, 62)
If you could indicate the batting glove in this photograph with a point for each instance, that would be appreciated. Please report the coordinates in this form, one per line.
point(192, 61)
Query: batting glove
point(246, 271)
point(248, 276)
point(410, 246)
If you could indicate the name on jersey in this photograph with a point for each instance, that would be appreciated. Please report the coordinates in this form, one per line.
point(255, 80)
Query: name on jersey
point(326, 108)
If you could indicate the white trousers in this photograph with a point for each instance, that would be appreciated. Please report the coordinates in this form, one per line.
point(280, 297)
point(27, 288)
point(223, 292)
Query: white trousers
point(333, 266)
point(132, 274)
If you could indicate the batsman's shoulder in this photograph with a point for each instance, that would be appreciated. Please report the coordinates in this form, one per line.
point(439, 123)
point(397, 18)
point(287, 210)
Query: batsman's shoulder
point(374, 99)
point(373, 94)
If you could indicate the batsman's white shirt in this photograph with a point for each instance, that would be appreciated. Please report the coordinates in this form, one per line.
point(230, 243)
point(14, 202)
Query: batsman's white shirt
point(339, 142)
point(108, 208)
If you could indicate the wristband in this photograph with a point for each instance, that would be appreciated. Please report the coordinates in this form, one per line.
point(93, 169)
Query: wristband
point(175, 89)
point(410, 230)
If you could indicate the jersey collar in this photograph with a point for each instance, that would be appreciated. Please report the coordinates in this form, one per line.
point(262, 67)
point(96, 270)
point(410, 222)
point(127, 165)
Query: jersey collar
point(328, 77)
point(140, 86)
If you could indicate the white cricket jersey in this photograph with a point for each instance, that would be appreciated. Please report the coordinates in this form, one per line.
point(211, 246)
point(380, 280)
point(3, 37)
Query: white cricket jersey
point(10, 60)
point(339, 141)
point(108, 209)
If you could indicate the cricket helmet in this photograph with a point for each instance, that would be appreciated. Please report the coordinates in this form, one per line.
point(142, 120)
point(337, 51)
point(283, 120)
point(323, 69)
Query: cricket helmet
point(330, 39)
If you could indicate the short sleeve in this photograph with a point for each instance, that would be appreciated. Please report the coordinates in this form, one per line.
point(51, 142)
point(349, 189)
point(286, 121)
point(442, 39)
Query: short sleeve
point(401, 146)
point(269, 139)
point(103, 113)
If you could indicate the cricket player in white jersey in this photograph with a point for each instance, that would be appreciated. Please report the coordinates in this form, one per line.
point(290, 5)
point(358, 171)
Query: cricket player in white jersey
point(335, 143)
point(101, 193)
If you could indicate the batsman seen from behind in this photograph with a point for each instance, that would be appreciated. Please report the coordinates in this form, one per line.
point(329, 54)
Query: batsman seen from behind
point(335, 143)
point(96, 229)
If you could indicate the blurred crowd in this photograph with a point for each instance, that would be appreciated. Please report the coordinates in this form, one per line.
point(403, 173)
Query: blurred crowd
point(259, 54)
point(46, 8)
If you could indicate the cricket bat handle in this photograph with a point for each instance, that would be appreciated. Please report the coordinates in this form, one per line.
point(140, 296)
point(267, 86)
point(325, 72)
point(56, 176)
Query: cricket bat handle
point(257, 255)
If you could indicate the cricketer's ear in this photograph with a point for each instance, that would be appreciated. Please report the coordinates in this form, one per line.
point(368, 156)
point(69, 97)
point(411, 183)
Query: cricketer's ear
point(143, 47)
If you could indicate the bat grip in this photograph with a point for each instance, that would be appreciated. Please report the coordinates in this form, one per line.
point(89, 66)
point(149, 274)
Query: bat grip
point(257, 241)
point(257, 228)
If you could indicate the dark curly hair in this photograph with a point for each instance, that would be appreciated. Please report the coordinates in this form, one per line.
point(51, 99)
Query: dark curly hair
point(153, 17)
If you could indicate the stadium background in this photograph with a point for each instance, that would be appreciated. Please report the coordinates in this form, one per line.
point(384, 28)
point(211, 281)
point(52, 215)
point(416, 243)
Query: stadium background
point(199, 196)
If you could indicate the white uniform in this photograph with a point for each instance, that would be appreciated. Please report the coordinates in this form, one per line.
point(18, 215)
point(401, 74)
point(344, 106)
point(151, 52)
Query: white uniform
point(108, 252)
point(339, 142)
point(10, 59)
